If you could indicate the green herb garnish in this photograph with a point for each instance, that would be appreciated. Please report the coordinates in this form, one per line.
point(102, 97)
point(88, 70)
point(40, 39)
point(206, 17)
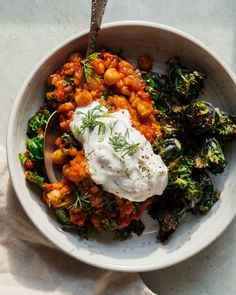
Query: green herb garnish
point(90, 121)
point(112, 125)
point(35, 178)
point(82, 201)
point(22, 158)
point(88, 68)
point(34, 147)
point(38, 121)
point(121, 145)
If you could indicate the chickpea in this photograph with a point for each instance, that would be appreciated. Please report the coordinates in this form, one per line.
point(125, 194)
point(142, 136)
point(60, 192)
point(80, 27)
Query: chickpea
point(144, 109)
point(65, 107)
point(54, 195)
point(125, 90)
point(53, 80)
point(98, 66)
point(135, 102)
point(119, 101)
point(111, 76)
point(77, 75)
point(58, 157)
point(132, 83)
point(110, 61)
point(93, 83)
point(66, 170)
point(58, 141)
point(120, 83)
point(69, 68)
point(82, 97)
point(145, 63)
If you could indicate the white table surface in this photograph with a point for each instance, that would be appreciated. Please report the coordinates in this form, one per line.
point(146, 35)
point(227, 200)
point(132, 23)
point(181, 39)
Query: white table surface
point(30, 28)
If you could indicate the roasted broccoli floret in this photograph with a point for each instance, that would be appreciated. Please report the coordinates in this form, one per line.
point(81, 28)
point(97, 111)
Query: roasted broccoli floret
point(135, 226)
point(168, 149)
point(225, 127)
point(185, 84)
point(211, 157)
point(209, 194)
point(37, 122)
point(180, 171)
point(198, 117)
point(171, 208)
point(159, 88)
point(35, 148)
point(62, 218)
point(170, 127)
point(169, 222)
point(181, 178)
point(35, 178)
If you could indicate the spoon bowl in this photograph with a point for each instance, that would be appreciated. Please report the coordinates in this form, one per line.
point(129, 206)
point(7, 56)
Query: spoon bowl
point(52, 131)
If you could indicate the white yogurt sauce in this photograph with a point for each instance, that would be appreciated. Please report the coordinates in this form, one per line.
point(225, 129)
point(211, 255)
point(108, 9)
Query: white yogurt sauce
point(133, 171)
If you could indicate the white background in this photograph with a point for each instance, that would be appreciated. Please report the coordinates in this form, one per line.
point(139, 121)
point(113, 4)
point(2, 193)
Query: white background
point(30, 28)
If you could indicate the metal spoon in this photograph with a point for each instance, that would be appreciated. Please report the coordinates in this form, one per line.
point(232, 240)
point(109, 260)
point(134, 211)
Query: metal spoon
point(52, 130)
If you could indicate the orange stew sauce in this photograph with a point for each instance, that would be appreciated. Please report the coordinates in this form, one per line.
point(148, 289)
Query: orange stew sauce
point(117, 85)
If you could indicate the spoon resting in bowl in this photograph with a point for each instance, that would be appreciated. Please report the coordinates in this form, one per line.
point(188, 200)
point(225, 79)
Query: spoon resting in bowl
point(52, 130)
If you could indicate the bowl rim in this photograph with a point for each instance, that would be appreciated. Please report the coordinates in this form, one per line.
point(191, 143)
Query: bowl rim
point(10, 156)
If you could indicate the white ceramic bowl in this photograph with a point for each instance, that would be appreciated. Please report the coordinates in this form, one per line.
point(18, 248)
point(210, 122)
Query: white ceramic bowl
point(139, 253)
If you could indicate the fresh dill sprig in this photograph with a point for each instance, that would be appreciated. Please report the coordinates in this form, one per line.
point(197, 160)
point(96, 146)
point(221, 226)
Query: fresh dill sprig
point(121, 145)
point(82, 201)
point(112, 125)
point(88, 68)
point(90, 121)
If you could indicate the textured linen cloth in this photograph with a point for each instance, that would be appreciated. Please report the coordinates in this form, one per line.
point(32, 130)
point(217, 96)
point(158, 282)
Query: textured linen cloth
point(29, 264)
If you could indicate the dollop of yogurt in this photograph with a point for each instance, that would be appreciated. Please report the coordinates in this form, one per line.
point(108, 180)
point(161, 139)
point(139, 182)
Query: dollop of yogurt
point(119, 157)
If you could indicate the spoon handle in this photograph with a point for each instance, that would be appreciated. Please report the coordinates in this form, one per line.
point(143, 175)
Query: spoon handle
point(97, 11)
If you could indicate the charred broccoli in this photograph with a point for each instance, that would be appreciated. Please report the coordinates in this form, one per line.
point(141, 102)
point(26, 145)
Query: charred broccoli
point(135, 226)
point(198, 117)
point(209, 194)
point(159, 88)
point(185, 84)
point(181, 178)
point(197, 195)
point(225, 127)
point(211, 157)
point(168, 149)
point(169, 223)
